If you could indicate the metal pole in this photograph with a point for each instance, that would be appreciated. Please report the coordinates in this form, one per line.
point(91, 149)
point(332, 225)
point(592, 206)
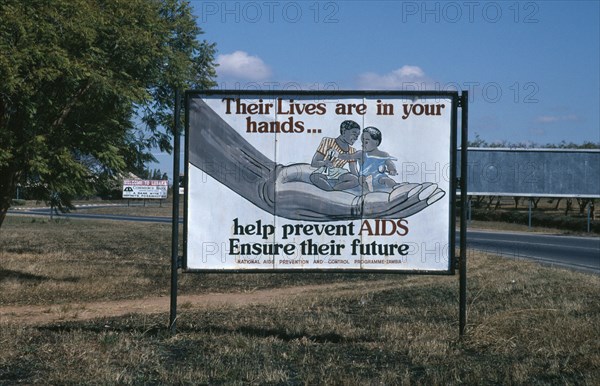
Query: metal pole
point(175, 216)
point(529, 212)
point(463, 209)
point(589, 213)
point(469, 217)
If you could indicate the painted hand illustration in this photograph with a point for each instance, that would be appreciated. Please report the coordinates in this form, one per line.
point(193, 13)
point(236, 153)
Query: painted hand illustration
point(286, 190)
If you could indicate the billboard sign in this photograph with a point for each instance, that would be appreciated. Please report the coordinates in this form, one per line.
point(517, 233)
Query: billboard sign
point(341, 181)
point(533, 172)
point(148, 189)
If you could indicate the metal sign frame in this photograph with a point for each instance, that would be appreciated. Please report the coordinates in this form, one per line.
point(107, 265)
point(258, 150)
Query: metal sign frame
point(458, 101)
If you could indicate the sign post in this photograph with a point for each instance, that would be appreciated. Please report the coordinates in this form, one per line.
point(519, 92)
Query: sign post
point(175, 215)
point(462, 323)
point(347, 181)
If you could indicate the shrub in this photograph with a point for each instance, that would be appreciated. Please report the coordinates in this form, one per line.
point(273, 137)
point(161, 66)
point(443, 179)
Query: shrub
point(537, 219)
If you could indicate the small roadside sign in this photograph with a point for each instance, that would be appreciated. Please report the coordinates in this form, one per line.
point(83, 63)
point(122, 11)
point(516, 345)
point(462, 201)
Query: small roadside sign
point(147, 189)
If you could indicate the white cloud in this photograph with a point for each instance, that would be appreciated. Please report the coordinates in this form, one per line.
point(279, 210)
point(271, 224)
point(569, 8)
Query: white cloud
point(538, 132)
point(404, 78)
point(557, 118)
point(546, 119)
point(241, 65)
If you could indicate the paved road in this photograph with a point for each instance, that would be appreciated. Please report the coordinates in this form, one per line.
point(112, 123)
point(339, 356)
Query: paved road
point(81, 214)
point(582, 253)
point(574, 252)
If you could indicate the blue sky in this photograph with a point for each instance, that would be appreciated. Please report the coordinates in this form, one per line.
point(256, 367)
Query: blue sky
point(532, 68)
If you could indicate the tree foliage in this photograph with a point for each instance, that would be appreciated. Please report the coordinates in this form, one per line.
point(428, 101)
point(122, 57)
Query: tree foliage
point(88, 87)
point(479, 142)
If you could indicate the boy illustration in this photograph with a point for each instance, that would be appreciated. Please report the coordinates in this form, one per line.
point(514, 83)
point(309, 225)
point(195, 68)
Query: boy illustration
point(331, 173)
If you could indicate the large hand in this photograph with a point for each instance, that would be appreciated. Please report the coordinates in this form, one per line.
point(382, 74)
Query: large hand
point(297, 199)
point(286, 191)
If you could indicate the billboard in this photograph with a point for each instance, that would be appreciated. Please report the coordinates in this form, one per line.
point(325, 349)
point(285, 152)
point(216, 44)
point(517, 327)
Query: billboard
point(320, 181)
point(533, 172)
point(148, 189)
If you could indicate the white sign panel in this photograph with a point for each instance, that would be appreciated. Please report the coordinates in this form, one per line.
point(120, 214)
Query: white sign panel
point(319, 182)
point(149, 189)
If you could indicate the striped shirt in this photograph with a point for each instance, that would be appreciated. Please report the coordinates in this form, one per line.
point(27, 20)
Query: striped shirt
point(330, 144)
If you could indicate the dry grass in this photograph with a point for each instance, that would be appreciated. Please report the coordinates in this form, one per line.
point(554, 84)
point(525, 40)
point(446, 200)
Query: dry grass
point(133, 207)
point(137, 209)
point(528, 324)
point(510, 227)
point(46, 261)
point(43, 261)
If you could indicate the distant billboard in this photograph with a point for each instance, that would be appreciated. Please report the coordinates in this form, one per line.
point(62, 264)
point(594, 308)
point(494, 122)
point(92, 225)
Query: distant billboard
point(533, 172)
point(148, 189)
point(313, 181)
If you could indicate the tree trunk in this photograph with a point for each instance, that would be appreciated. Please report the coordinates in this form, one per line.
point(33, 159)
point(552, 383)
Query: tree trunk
point(497, 204)
point(8, 188)
point(557, 203)
point(583, 202)
point(479, 200)
point(2, 215)
point(490, 201)
point(569, 205)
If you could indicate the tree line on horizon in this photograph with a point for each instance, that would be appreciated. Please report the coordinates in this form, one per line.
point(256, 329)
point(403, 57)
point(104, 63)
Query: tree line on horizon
point(479, 142)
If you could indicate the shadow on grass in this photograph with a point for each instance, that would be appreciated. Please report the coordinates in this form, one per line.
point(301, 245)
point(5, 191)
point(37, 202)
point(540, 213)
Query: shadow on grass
point(280, 334)
point(8, 274)
point(98, 326)
point(15, 371)
point(158, 330)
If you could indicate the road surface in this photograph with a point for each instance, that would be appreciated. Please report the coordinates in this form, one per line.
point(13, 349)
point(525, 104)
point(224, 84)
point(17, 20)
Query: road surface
point(581, 253)
point(567, 251)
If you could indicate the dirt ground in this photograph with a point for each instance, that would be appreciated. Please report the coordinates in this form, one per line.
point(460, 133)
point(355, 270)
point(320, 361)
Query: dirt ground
point(69, 312)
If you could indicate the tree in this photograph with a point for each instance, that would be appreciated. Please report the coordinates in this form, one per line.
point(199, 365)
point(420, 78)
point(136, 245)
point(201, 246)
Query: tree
point(479, 142)
point(153, 174)
point(88, 86)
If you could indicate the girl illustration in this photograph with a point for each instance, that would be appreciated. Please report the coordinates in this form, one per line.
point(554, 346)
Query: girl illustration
point(375, 165)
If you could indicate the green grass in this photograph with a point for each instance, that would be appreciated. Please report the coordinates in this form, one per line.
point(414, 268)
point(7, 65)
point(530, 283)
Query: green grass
point(527, 324)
